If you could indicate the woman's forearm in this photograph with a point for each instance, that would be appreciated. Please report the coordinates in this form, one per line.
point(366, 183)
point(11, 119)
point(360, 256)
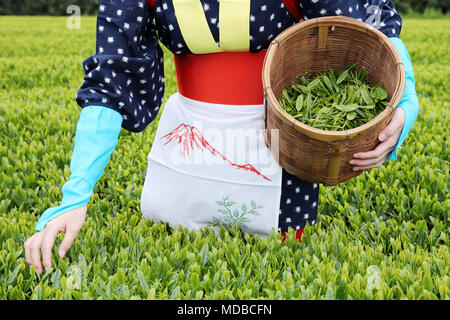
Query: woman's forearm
point(96, 137)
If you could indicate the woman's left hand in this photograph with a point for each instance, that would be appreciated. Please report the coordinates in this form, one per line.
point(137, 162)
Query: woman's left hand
point(388, 137)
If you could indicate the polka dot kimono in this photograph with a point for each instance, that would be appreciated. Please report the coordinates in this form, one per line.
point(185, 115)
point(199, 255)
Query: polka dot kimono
point(127, 71)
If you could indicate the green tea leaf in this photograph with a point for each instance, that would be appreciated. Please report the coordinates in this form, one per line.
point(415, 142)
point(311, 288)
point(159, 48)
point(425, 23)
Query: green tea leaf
point(299, 103)
point(351, 115)
point(343, 76)
point(347, 108)
point(380, 93)
point(365, 95)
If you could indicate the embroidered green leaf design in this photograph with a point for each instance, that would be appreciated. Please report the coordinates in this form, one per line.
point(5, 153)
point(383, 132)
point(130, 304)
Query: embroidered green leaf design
point(232, 216)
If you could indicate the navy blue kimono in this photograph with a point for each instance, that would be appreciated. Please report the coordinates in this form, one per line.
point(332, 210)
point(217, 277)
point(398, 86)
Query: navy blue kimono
point(127, 72)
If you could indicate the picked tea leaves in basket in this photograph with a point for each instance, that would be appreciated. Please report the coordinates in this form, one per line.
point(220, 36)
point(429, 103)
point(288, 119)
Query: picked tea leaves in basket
point(334, 100)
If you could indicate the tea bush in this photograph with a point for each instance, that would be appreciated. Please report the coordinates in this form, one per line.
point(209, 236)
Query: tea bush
point(382, 235)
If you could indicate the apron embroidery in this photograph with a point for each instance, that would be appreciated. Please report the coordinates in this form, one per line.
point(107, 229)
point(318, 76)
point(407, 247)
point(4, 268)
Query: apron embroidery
point(189, 170)
point(189, 137)
point(232, 217)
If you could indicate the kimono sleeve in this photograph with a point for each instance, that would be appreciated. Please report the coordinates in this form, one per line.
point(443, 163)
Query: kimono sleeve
point(126, 73)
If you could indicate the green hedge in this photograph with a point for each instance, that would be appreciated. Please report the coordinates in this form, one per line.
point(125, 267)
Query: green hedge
point(382, 235)
point(46, 7)
point(421, 5)
point(89, 7)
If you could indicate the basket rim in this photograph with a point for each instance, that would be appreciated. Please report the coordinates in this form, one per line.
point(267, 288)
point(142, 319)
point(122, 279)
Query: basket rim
point(341, 21)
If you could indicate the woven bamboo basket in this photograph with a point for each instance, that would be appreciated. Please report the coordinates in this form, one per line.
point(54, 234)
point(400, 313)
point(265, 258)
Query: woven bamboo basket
point(314, 46)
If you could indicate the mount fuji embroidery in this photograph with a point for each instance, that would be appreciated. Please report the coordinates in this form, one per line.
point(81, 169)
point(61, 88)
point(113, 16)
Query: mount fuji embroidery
point(190, 138)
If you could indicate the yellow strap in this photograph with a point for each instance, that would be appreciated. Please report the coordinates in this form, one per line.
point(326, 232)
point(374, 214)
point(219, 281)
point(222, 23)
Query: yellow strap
point(234, 27)
point(194, 27)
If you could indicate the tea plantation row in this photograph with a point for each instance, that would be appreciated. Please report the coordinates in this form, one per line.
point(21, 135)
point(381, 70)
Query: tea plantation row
point(383, 235)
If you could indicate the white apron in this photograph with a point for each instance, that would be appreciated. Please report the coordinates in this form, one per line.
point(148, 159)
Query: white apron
point(209, 165)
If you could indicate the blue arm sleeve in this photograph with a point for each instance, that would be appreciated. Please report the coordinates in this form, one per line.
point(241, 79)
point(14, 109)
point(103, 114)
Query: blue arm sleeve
point(409, 102)
point(96, 138)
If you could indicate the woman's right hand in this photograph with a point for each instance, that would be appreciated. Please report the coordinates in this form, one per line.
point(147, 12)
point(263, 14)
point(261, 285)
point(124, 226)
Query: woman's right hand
point(69, 223)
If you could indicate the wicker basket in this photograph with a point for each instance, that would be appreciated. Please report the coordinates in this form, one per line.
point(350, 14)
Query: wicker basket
point(314, 46)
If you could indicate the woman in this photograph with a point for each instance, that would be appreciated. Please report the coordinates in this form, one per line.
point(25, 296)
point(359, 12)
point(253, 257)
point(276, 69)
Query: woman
point(194, 177)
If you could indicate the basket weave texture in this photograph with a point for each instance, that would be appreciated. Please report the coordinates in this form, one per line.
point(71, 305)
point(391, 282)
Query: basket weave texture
point(311, 47)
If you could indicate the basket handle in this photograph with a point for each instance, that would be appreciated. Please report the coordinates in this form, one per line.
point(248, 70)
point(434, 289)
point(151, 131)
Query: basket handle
point(323, 37)
point(265, 106)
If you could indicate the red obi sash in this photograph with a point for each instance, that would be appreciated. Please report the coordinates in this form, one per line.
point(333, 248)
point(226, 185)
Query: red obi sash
point(225, 77)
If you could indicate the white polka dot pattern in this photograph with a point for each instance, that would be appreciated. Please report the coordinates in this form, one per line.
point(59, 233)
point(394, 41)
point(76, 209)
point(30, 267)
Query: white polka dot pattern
point(127, 71)
point(380, 14)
